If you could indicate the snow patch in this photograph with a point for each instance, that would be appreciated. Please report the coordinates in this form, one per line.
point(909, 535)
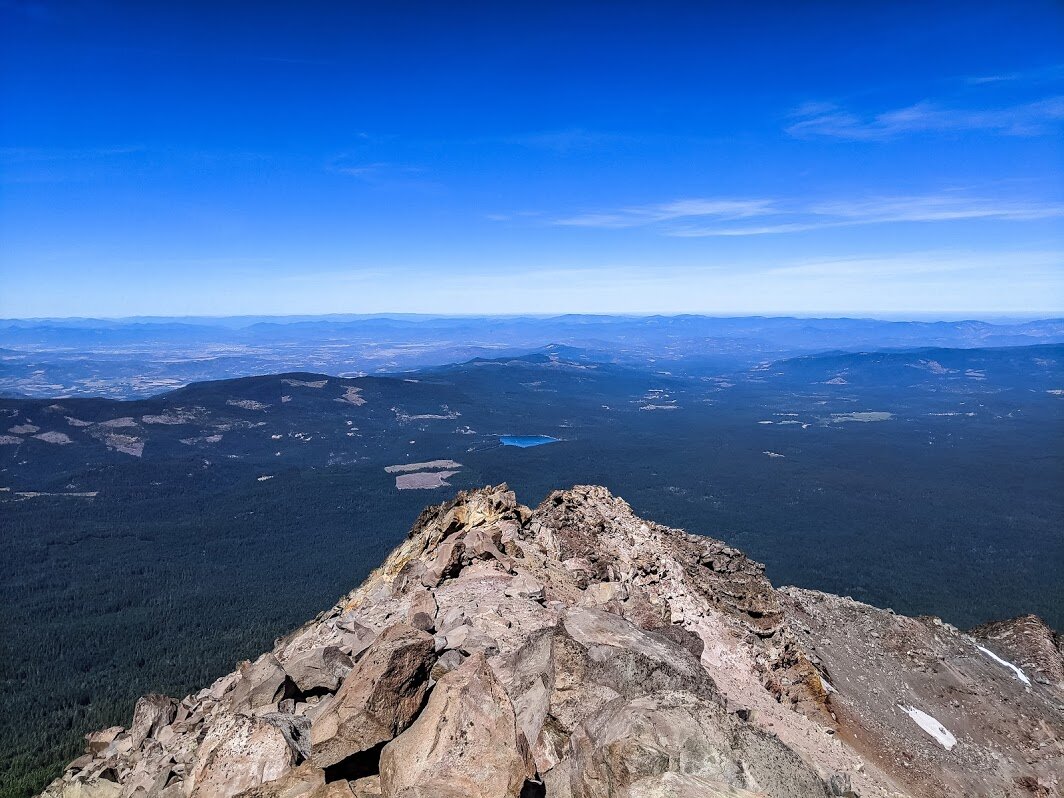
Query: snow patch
point(1019, 672)
point(931, 726)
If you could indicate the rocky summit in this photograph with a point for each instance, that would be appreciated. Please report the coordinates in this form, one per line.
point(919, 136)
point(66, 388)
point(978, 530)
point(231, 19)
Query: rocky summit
point(578, 651)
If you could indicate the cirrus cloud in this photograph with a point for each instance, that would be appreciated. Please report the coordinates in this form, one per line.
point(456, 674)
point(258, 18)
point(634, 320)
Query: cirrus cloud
point(701, 217)
point(826, 120)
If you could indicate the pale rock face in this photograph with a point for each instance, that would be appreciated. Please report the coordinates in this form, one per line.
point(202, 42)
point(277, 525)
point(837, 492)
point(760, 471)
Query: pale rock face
point(578, 651)
point(379, 699)
point(239, 753)
point(98, 741)
point(465, 744)
point(152, 714)
point(260, 684)
point(319, 669)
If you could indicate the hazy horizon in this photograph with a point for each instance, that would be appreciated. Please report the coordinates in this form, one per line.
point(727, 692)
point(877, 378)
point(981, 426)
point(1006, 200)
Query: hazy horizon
point(929, 316)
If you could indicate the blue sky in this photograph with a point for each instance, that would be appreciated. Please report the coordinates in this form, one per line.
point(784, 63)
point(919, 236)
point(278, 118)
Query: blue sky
point(823, 157)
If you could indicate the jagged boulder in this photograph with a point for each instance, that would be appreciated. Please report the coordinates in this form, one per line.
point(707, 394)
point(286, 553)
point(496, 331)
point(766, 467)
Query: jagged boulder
point(152, 713)
point(239, 752)
point(319, 669)
point(466, 744)
point(260, 683)
point(97, 742)
point(380, 697)
point(302, 782)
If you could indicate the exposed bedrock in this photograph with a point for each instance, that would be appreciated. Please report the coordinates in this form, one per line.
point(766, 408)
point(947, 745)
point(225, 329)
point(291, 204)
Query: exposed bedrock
point(578, 651)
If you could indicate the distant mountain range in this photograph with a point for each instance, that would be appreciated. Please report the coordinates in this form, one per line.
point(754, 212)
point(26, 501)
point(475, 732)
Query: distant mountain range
point(137, 358)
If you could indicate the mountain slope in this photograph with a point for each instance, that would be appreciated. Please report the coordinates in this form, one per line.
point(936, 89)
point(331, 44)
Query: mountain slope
point(578, 650)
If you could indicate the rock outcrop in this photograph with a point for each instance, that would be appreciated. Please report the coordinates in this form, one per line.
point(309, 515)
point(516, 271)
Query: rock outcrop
point(1029, 643)
point(578, 651)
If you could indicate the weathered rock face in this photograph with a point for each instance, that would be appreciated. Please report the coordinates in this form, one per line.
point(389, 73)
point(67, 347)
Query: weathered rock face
point(577, 651)
point(383, 695)
point(466, 744)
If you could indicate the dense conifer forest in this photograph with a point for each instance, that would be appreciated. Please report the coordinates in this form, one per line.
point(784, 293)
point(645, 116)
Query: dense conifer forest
point(187, 559)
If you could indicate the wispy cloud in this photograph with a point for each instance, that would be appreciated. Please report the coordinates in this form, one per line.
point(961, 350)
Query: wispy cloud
point(825, 120)
point(723, 217)
point(382, 174)
point(1050, 72)
point(720, 209)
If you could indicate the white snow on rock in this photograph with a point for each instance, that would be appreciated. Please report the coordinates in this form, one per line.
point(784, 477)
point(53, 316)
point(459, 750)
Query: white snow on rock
point(1019, 672)
point(931, 726)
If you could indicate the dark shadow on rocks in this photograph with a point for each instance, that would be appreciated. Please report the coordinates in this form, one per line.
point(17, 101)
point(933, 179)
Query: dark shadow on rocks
point(357, 766)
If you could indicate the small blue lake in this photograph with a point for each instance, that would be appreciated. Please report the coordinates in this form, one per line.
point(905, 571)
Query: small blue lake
point(524, 441)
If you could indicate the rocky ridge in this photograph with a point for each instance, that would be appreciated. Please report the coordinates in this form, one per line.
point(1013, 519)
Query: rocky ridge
point(578, 651)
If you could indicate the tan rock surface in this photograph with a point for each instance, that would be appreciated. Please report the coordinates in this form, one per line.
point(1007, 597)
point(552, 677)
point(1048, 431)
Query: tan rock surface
point(466, 743)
